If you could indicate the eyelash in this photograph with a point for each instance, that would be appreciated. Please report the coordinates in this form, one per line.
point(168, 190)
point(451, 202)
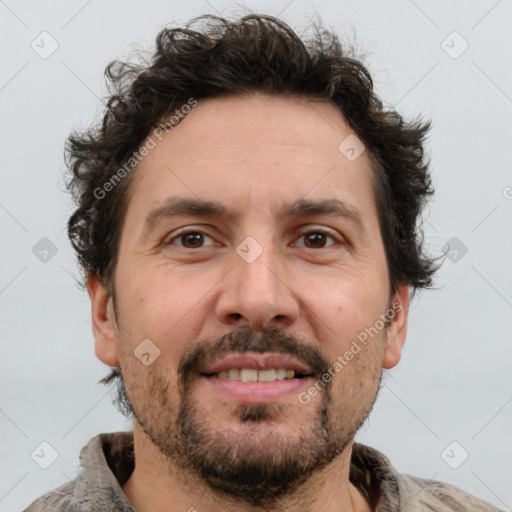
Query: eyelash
point(196, 231)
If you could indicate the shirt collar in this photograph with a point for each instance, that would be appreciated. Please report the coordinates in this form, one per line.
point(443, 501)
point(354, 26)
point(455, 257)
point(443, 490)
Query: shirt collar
point(108, 460)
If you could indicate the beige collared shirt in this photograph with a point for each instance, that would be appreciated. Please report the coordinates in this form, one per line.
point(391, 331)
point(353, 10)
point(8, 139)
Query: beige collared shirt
point(108, 461)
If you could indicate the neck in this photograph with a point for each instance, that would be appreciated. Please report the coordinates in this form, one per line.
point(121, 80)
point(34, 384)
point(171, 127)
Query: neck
point(156, 482)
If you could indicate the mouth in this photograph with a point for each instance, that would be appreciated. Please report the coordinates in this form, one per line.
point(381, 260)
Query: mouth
point(251, 375)
point(255, 377)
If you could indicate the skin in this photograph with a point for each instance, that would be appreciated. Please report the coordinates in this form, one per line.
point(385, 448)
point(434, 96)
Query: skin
point(253, 154)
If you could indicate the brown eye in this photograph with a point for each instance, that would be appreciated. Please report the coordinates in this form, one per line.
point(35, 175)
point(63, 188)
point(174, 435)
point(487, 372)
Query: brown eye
point(316, 240)
point(190, 240)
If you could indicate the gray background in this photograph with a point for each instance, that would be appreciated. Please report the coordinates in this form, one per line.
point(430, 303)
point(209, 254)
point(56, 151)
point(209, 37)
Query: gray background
point(454, 381)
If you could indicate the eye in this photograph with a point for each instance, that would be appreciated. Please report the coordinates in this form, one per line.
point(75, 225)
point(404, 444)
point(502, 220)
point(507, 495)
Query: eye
point(193, 239)
point(189, 239)
point(316, 239)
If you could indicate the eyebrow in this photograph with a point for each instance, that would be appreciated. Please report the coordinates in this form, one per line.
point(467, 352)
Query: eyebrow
point(176, 206)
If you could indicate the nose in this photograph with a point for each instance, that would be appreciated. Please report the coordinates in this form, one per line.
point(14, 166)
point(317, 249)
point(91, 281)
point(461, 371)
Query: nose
point(257, 294)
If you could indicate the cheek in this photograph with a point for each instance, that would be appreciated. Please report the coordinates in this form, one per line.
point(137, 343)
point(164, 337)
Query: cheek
point(342, 313)
point(356, 382)
point(151, 301)
point(162, 311)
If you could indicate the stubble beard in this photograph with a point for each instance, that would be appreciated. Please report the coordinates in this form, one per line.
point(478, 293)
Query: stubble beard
point(254, 462)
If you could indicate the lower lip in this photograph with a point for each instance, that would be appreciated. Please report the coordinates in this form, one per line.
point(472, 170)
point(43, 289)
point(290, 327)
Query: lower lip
point(257, 392)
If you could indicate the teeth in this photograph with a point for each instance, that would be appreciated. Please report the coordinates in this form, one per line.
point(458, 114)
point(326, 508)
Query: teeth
point(281, 374)
point(250, 375)
point(234, 374)
point(266, 375)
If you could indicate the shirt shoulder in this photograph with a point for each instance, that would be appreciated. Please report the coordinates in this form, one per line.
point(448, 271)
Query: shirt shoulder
point(58, 500)
point(430, 495)
point(388, 490)
point(107, 462)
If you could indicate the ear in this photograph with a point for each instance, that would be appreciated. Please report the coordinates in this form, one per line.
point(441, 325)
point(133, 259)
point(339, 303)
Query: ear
point(397, 329)
point(104, 325)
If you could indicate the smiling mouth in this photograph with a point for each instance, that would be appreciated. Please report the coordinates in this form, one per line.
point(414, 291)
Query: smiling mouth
point(256, 367)
point(257, 378)
point(253, 375)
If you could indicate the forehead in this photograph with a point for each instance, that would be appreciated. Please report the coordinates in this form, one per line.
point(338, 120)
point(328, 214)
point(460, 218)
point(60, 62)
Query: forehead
point(256, 151)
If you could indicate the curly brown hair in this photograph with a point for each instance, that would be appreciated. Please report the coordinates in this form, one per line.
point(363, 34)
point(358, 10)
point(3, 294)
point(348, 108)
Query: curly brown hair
point(256, 53)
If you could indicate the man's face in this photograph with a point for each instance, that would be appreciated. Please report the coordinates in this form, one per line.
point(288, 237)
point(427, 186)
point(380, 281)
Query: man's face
point(262, 287)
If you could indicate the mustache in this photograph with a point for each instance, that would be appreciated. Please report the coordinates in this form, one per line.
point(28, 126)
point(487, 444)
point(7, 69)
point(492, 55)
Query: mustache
point(267, 340)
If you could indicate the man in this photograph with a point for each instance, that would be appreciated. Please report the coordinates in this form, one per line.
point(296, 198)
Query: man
point(247, 227)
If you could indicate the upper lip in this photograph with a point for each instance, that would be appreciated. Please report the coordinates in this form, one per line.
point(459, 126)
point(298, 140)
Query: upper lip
point(257, 361)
